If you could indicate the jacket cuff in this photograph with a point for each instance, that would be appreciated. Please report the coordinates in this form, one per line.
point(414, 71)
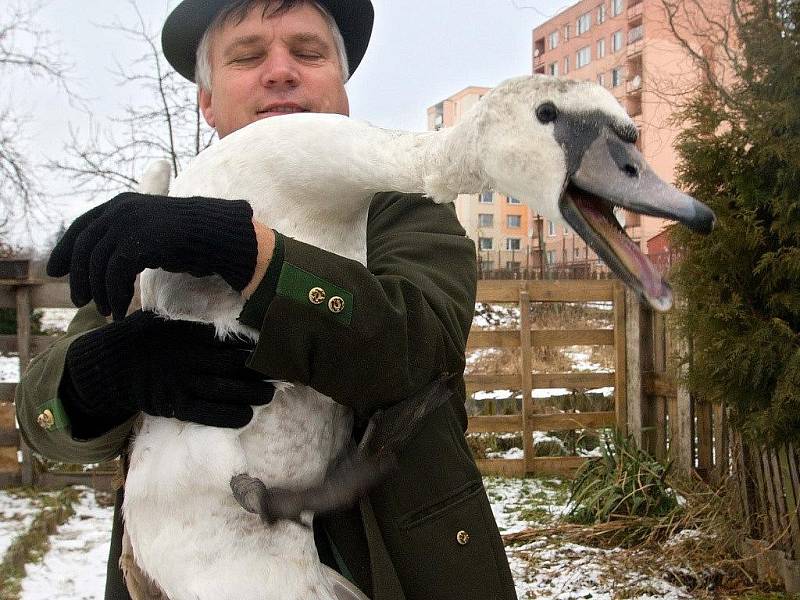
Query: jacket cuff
point(255, 309)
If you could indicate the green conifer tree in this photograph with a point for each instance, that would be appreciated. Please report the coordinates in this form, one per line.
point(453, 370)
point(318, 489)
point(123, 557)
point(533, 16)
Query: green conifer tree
point(740, 154)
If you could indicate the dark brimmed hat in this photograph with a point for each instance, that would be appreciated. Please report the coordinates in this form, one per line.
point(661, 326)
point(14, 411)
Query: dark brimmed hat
point(185, 26)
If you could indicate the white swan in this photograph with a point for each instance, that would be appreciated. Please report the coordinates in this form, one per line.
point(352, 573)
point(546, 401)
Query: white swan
point(563, 147)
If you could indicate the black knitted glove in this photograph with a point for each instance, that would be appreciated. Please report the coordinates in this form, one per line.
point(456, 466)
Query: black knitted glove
point(106, 247)
point(163, 368)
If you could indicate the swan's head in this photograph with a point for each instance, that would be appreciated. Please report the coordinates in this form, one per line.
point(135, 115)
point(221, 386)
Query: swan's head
point(567, 149)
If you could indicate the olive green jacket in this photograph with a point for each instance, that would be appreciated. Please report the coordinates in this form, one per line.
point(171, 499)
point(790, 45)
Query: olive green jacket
point(427, 532)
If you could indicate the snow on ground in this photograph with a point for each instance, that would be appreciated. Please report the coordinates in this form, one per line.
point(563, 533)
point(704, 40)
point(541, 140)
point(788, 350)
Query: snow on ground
point(549, 569)
point(9, 368)
point(16, 515)
point(75, 566)
point(57, 319)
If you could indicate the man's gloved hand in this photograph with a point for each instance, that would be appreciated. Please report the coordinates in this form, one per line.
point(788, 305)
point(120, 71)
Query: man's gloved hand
point(106, 247)
point(163, 368)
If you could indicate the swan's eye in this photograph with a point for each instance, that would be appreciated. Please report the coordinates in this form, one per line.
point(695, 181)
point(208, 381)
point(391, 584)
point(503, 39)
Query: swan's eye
point(547, 112)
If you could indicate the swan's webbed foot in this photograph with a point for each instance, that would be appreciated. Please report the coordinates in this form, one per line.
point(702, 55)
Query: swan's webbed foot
point(342, 487)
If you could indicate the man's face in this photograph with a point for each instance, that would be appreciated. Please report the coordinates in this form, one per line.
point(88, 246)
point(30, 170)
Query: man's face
point(264, 67)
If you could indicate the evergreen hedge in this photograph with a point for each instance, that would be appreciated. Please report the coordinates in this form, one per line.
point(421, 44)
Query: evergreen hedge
point(740, 154)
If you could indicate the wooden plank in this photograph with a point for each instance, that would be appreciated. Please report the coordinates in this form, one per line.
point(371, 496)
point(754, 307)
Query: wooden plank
point(704, 435)
point(541, 338)
point(722, 468)
point(569, 421)
point(572, 337)
point(659, 343)
point(620, 348)
point(9, 437)
point(10, 480)
point(48, 293)
point(779, 494)
point(661, 427)
point(8, 460)
point(571, 291)
point(526, 366)
point(633, 367)
point(55, 481)
point(39, 343)
point(495, 424)
point(769, 495)
point(493, 339)
point(498, 291)
point(7, 416)
point(573, 381)
point(559, 466)
point(7, 391)
point(24, 327)
point(792, 499)
point(682, 427)
point(658, 384)
point(508, 467)
point(570, 381)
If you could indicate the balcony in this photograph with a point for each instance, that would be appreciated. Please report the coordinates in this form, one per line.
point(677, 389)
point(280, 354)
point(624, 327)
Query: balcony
point(635, 34)
point(634, 85)
point(538, 53)
point(635, 9)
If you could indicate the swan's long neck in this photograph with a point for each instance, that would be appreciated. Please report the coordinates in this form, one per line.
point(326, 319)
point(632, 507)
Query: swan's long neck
point(439, 164)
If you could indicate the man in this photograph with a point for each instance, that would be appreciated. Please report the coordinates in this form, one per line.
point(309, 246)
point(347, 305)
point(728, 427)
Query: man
point(395, 326)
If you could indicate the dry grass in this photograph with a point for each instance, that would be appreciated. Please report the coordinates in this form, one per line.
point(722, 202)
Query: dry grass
point(695, 547)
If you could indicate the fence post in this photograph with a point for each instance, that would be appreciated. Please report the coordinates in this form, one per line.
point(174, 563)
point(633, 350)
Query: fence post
point(633, 337)
point(681, 420)
point(620, 349)
point(526, 368)
point(23, 293)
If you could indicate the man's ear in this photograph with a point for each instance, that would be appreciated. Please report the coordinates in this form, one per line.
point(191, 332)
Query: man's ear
point(204, 99)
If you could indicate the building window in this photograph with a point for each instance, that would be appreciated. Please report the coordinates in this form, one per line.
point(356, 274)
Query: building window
point(601, 79)
point(577, 253)
point(486, 197)
point(486, 243)
point(485, 220)
point(553, 69)
point(583, 57)
point(513, 244)
point(514, 221)
point(617, 41)
point(512, 265)
point(487, 265)
point(566, 33)
point(616, 7)
point(553, 39)
point(551, 257)
point(601, 48)
point(566, 65)
point(616, 77)
point(551, 228)
point(512, 200)
point(601, 13)
point(583, 23)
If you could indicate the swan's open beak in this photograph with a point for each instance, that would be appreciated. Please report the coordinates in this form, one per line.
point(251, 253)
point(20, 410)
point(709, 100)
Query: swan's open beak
point(614, 173)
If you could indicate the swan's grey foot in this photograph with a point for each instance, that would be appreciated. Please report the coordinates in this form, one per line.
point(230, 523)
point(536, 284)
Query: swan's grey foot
point(342, 487)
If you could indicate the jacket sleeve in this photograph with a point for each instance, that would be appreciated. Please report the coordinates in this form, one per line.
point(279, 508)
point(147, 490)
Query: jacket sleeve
point(370, 336)
point(44, 424)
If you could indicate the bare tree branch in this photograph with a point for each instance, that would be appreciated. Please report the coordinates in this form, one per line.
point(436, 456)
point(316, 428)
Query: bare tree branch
point(166, 124)
point(26, 48)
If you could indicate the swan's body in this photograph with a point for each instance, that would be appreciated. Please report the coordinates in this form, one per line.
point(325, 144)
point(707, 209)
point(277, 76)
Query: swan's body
point(311, 177)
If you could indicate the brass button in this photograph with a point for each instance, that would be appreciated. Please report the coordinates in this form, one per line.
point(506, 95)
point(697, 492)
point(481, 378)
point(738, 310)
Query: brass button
point(46, 420)
point(316, 295)
point(336, 304)
point(462, 537)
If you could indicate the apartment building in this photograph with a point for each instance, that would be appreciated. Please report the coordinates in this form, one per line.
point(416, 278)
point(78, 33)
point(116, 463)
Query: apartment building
point(624, 45)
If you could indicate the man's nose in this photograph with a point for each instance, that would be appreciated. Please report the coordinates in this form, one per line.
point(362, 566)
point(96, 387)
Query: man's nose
point(280, 71)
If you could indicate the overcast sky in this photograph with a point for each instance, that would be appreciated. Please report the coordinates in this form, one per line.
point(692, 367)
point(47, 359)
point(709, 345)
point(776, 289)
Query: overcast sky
point(422, 51)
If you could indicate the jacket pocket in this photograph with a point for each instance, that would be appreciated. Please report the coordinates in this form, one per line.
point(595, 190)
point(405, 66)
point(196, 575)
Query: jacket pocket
point(453, 550)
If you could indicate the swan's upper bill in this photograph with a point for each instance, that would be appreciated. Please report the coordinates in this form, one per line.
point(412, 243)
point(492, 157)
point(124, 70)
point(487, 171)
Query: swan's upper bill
point(567, 149)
